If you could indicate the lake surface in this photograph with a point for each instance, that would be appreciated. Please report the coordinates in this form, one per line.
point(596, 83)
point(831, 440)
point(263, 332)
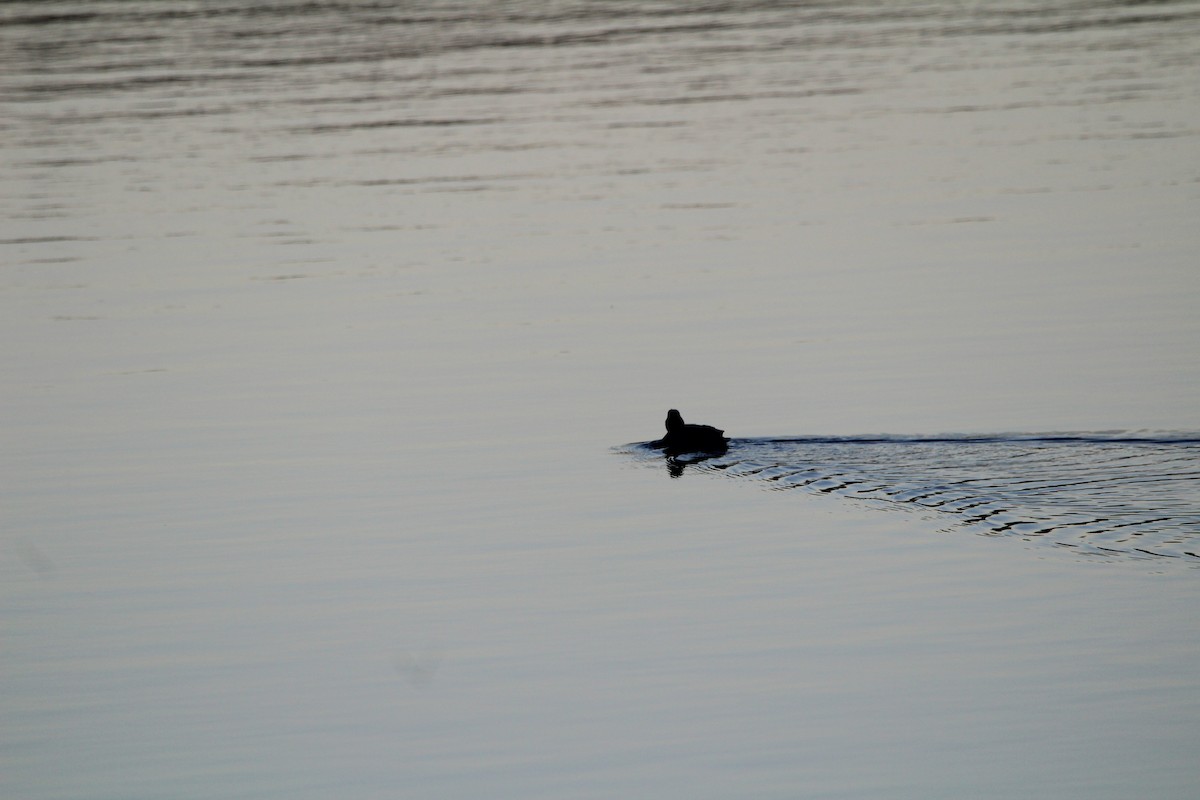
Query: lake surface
point(330, 331)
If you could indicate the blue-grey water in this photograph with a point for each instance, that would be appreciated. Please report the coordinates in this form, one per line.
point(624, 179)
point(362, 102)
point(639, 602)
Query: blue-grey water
point(324, 325)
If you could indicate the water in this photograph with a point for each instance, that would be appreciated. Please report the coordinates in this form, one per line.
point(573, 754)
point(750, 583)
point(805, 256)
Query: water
point(1104, 494)
point(322, 320)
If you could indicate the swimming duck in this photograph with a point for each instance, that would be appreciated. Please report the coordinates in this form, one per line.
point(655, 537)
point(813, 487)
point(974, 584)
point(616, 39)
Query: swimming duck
point(684, 438)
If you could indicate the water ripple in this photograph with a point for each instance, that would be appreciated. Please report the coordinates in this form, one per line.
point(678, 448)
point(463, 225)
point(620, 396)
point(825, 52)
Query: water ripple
point(1132, 494)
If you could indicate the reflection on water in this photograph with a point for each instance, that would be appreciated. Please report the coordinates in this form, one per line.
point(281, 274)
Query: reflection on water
point(1095, 493)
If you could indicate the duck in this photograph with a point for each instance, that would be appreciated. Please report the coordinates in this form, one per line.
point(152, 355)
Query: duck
point(685, 438)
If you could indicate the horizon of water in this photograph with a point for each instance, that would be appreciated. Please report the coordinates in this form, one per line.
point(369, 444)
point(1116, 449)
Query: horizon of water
point(323, 324)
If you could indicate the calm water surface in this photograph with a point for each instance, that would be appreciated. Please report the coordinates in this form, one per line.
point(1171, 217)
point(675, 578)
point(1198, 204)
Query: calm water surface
point(324, 324)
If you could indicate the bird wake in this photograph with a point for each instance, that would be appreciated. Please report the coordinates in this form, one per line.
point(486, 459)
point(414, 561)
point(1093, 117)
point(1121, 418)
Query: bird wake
point(1100, 493)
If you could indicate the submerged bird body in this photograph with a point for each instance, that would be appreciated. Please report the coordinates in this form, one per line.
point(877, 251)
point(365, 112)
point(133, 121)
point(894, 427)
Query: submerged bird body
point(684, 438)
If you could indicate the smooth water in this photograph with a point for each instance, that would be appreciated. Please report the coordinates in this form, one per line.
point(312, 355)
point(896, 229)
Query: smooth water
point(324, 324)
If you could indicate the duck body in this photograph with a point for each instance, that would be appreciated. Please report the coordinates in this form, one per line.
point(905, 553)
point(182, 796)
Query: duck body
point(684, 438)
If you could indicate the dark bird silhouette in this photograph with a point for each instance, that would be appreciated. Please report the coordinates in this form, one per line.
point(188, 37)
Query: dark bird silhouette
point(684, 438)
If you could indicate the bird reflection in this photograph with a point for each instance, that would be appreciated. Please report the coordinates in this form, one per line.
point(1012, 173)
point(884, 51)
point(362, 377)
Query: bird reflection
point(678, 462)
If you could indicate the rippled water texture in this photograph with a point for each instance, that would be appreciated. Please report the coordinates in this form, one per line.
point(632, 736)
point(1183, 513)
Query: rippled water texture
point(904, 216)
point(1095, 493)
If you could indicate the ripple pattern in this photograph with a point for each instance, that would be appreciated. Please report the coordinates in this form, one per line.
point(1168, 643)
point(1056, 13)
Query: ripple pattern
point(1099, 493)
